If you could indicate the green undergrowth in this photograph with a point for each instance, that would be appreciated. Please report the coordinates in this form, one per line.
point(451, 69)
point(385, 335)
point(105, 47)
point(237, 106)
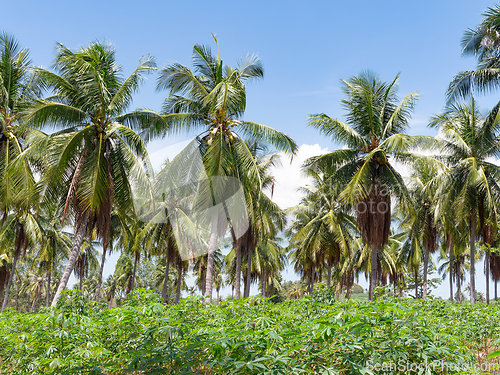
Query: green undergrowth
point(314, 335)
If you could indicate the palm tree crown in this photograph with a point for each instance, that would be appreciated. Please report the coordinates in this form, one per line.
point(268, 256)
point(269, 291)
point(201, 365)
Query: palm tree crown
point(373, 133)
point(91, 162)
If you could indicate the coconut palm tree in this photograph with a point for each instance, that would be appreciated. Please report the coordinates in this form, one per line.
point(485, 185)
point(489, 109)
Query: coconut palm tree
point(19, 196)
point(19, 230)
point(482, 42)
point(323, 232)
point(17, 91)
point(373, 134)
point(271, 260)
point(457, 265)
point(213, 98)
point(470, 187)
point(93, 161)
point(421, 221)
point(200, 268)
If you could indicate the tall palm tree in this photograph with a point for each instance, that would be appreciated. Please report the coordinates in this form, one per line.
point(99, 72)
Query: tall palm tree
point(18, 190)
point(213, 98)
point(421, 221)
point(373, 133)
point(470, 187)
point(323, 231)
point(482, 42)
point(271, 260)
point(457, 265)
point(91, 161)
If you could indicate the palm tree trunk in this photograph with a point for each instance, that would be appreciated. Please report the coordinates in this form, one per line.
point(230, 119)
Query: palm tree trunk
point(35, 299)
point(99, 280)
point(165, 281)
point(11, 277)
point(416, 283)
point(249, 273)
point(426, 264)
point(329, 275)
point(179, 281)
point(472, 241)
point(204, 279)
point(265, 281)
point(237, 277)
point(80, 232)
point(212, 243)
point(496, 295)
point(47, 297)
point(311, 280)
point(459, 284)
point(262, 282)
point(487, 272)
point(136, 260)
point(17, 296)
point(373, 272)
point(3, 277)
point(450, 267)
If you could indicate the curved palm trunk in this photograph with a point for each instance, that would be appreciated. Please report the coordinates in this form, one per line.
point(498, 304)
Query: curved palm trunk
point(136, 260)
point(426, 265)
point(11, 277)
point(165, 281)
point(472, 241)
point(459, 284)
point(101, 270)
point(80, 232)
point(49, 280)
point(212, 243)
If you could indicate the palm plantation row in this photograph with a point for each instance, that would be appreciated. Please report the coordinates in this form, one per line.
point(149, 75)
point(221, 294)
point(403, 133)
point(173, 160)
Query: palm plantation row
point(72, 159)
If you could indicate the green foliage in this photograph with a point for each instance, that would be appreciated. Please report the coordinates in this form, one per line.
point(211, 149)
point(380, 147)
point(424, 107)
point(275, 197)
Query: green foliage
point(252, 336)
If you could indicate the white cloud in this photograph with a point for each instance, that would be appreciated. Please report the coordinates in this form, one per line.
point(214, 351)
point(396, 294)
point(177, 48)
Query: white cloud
point(289, 177)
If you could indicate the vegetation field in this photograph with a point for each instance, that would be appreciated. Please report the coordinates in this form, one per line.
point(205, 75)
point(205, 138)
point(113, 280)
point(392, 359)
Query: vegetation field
point(312, 335)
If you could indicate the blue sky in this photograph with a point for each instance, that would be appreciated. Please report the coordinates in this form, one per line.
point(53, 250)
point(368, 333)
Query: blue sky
point(306, 47)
